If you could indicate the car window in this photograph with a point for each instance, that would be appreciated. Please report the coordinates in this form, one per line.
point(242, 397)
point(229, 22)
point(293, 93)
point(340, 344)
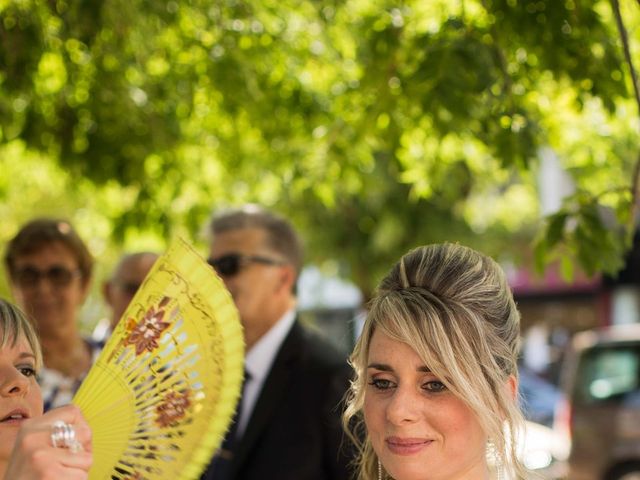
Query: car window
point(609, 374)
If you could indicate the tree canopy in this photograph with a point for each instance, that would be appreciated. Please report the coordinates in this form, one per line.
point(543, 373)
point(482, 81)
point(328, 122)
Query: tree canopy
point(375, 125)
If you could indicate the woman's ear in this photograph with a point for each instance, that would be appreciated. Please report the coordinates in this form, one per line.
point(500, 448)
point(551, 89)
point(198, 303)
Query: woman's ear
point(85, 287)
point(512, 386)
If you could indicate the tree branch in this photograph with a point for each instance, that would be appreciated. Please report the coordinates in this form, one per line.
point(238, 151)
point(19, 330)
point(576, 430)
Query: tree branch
point(627, 50)
point(635, 206)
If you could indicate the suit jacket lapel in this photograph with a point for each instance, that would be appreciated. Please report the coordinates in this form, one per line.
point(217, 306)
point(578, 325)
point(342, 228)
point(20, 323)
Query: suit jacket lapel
point(274, 387)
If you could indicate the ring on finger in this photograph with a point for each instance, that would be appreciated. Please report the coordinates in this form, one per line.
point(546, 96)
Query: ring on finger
point(63, 435)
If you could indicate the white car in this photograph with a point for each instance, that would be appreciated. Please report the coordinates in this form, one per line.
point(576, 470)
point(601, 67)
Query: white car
point(542, 451)
point(539, 449)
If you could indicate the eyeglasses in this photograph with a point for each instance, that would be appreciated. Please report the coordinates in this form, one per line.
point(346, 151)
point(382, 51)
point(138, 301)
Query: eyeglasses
point(57, 276)
point(230, 264)
point(130, 288)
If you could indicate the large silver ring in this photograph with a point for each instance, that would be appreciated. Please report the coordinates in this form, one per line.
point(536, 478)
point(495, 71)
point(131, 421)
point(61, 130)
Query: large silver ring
point(63, 435)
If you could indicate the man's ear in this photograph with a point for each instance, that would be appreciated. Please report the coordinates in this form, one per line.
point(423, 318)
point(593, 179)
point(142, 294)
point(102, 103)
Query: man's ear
point(287, 278)
point(15, 292)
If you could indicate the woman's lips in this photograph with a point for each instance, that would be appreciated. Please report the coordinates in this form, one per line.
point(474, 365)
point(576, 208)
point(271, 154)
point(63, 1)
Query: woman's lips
point(15, 417)
point(407, 446)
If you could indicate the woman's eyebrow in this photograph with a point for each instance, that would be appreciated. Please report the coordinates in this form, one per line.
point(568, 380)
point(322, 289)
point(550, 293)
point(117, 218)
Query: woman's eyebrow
point(23, 355)
point(387, 368)
point(381, 366)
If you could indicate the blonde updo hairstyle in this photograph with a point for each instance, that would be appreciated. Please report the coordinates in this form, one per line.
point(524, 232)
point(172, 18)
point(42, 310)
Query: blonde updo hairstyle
point(453, 306)
point(14, 326)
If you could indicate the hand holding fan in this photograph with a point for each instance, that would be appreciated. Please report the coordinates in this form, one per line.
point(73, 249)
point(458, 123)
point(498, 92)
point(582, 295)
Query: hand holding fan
point(163, 391)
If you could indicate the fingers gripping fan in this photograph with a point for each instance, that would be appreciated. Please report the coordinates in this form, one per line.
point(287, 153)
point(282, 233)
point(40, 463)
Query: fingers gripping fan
point(163, 390)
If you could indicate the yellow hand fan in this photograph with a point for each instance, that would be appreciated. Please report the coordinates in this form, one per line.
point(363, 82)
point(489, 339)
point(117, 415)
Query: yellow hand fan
point(164, 389)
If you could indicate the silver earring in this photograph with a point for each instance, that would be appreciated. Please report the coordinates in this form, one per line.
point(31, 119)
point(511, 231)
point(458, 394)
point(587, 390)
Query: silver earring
point(379, 470)
point(495, 458)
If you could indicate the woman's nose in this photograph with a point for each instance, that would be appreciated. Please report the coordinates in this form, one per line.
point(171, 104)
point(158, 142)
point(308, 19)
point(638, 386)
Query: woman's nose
point(404, 406)
point(13, 383)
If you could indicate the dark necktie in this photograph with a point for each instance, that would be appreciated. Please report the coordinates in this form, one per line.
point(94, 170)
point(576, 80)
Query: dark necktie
point(220, 466)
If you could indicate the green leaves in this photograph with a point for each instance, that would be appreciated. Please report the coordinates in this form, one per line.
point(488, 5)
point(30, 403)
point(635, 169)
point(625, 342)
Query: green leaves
point(377, 126)
point(585, 233)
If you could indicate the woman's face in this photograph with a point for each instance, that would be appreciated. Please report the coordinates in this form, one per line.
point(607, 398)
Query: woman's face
point(20, 396)
point(48, 285)
point(418, 428)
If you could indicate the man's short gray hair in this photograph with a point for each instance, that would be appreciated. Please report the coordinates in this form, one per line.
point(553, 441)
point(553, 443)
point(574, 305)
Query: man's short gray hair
point(281, 237)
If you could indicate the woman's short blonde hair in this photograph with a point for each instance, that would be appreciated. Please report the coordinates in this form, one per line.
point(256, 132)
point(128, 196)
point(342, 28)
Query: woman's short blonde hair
point(13, 326)
point(453, 306)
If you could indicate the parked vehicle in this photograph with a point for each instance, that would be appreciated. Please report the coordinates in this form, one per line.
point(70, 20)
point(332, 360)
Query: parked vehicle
point(538, 396)
point(537, 449)
point(599, 415)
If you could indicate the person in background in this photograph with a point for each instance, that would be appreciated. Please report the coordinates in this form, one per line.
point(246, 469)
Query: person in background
point(436, 371)
point(287, 423)
point(49, 269)
point(131, 270)
point(26, 435)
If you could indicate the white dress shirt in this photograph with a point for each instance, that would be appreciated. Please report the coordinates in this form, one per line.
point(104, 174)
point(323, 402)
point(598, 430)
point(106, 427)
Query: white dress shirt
point(258, 363)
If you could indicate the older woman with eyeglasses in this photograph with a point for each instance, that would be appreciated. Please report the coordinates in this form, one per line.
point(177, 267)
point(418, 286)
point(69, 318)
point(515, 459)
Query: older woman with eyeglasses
point(49, 269)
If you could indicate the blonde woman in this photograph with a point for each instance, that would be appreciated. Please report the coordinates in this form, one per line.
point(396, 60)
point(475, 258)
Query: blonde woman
point(33, 446)
point(434, 395)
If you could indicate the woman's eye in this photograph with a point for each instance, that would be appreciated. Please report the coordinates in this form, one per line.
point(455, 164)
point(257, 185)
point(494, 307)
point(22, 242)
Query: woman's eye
point(434, 386)
point(381, 384)
point(27, 371)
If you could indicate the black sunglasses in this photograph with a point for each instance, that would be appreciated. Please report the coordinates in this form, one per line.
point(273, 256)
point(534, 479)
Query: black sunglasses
point(58, 276)
point(230, 264)
point(130, 288)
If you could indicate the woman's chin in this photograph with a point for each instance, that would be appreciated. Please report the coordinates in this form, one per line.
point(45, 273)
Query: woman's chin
point(7, 440)
point(399, 471)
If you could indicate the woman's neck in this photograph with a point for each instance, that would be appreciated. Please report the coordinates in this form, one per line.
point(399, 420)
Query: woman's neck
point(69, 355)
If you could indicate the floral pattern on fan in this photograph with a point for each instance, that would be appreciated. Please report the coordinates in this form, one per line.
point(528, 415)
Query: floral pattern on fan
point(145, 334)
point(163, 391)
point(134, 476)
point(173, 408)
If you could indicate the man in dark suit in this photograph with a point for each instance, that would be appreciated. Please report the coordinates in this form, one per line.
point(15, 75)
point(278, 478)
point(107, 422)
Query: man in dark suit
point(288, 419)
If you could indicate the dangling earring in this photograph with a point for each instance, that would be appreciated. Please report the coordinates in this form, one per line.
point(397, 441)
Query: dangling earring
point(379, 470)
point(495, 458)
